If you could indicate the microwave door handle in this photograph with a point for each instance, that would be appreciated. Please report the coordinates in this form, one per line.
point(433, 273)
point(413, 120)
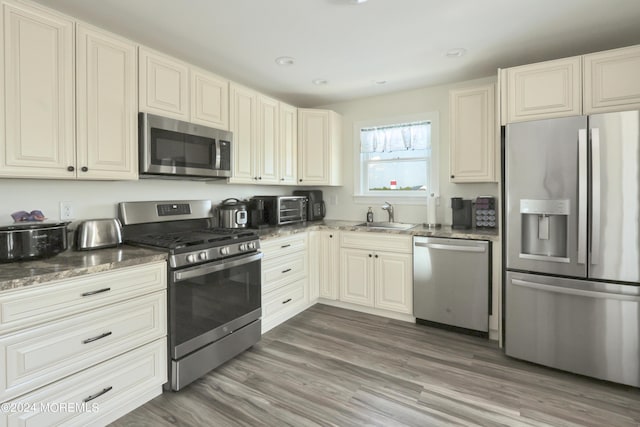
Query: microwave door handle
point(218, 154)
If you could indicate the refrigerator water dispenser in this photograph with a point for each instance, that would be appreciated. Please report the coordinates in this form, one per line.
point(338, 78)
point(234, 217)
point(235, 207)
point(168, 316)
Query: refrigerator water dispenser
point(544, 230)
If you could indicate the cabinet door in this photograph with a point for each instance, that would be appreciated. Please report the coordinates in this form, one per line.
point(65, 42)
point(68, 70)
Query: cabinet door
point(611, 80)
point(544, 90)
point(473, 138)
point(313, 147)
point(268, 140)
point(242, 121)
point(209, 99)
point(107, 108)
point(288, 147)
point(356, 276)
point(330, 265)
point(39, 129)
point(164, 85)
point(394, 282)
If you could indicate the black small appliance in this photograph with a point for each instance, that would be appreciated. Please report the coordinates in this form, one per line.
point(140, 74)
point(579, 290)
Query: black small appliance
point(257, 215)
point(316, 208)
point(461, 210)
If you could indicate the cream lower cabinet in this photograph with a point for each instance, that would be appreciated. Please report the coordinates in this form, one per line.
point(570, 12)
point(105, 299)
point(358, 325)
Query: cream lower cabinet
point(285, 279)
point(98, 339)
point(376, 271)
point(472, 132)
point(324, 264)
point(57, 126)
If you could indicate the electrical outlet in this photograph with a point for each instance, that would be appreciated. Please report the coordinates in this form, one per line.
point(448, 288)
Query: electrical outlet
point(66, 210)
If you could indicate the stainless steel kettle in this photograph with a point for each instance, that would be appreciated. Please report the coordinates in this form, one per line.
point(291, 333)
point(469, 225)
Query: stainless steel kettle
point(232, 213)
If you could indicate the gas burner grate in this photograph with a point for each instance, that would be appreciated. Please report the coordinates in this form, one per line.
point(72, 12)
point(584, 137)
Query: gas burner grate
point(213, 237)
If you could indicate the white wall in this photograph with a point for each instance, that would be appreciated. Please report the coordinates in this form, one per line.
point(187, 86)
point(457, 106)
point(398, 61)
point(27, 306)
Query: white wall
point(99, 199)
point(427, 99)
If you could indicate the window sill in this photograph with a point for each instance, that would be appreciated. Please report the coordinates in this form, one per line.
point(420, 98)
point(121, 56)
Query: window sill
point(394, 200)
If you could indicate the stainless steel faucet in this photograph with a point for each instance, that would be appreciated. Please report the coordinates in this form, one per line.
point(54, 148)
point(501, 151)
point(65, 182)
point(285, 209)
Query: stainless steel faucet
point(387, 207)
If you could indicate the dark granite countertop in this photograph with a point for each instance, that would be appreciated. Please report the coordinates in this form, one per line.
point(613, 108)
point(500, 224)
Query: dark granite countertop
point(419, 230)
point(73, 263)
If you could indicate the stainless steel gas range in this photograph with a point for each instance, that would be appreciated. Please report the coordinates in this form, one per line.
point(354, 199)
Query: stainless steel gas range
point(214, 280)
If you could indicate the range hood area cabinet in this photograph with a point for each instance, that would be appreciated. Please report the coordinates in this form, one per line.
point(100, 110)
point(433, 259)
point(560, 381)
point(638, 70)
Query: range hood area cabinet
point(595, 83)
point(265, 138)
point(474, 142)
point(319, 150)
point(60, 123)
point(173, 88)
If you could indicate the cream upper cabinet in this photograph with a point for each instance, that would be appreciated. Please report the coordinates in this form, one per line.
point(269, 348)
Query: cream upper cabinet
point(544, 90)
point(268, 139)
point(107, 107)
point(242, 121)
point(612, 80)
point(319, 156)
point(472, 133)
point(39, 124)
point(288, 147)
point(164, 85)
point(209, 99)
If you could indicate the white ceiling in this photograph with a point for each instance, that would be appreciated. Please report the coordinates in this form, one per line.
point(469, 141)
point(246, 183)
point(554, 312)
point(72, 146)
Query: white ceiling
point(352, 46)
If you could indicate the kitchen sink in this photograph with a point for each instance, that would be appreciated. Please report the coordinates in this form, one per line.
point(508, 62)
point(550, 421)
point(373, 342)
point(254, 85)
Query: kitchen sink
point(387, 225)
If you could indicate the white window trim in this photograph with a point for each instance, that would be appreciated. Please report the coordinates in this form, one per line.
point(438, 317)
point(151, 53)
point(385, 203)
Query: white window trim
point(409, 199)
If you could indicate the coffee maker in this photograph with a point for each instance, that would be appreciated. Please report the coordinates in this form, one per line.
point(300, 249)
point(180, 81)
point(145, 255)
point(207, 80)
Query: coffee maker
point(461, 210)
point(257, 214)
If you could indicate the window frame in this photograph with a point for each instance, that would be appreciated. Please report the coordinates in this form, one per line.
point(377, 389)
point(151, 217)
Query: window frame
point(400, 197)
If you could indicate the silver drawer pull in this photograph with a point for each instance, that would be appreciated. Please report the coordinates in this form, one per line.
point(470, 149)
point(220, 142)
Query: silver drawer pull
point(286, 271)
point(286, 301)
point(99, 337)
point(285, 246)
point(95, 396)
point(99, 291)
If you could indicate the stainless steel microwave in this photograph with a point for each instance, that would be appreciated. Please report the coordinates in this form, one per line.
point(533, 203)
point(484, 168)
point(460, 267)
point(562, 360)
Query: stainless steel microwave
point(172, 148)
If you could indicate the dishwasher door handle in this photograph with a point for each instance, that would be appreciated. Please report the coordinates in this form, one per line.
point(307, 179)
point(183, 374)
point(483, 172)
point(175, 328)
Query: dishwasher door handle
point(456, 248)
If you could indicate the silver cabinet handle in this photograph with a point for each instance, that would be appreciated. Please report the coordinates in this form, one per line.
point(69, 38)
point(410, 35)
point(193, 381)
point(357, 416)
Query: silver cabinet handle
point(100, 393)
point(457, 248)
point(99, 337)
point(582, 196)
point(595, 195)
point(571, 291)
point(99, 291)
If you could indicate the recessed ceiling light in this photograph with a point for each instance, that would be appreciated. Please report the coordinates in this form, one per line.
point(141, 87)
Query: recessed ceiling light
point(380, 82)
point(285, 60)
point(455, 53)
point(319, 82)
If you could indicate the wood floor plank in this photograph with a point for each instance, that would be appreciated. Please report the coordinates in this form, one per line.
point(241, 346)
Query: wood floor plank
point(335, 367)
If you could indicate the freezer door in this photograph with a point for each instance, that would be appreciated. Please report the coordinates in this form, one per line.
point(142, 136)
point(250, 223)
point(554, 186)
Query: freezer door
point(546, 196)
point(590, 328)
point(615, 207)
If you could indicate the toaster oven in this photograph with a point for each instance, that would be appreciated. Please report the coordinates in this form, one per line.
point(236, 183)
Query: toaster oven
point(282, 210)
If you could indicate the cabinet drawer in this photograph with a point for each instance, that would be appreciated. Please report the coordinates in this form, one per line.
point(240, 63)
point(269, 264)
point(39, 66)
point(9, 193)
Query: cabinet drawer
point(282, 246)
point(30, 306)
point(282, 271)
point(127, 381)
point(40, 355)
point(289, 297)
point(376, 241)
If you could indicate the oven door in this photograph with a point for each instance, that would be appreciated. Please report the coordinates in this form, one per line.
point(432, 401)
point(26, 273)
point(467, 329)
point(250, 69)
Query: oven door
point(209, 301)
point(173, 147)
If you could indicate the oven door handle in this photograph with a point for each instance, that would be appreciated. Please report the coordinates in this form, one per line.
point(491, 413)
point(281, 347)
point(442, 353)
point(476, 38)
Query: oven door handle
point(203, 269)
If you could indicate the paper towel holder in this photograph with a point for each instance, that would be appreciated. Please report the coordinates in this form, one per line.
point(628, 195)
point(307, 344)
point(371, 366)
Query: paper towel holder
point(431, 223)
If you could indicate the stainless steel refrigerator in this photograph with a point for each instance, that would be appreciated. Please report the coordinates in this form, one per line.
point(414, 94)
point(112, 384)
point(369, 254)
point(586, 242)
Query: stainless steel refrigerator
point(572, 291)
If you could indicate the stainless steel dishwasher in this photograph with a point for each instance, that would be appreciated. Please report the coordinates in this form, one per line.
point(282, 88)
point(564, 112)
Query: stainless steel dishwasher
point(451, 283)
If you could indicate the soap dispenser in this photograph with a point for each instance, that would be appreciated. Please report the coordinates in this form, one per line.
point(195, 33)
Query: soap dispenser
point(370, 215)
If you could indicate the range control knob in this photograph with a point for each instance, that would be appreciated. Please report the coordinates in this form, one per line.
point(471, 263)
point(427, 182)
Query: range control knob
point(224, 251)
point(252, 245)
point(202, 256)
point(243, 247)
point(191, 258)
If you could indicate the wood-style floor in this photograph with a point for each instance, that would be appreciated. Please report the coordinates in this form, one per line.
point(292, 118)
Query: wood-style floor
point(329, 366)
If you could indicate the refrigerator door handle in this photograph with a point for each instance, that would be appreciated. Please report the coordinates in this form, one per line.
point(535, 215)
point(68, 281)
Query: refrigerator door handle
point(595, 195)
point(572, 291)
point(582, 196)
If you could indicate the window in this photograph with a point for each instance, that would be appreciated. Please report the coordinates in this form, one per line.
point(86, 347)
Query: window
point(396, 157)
